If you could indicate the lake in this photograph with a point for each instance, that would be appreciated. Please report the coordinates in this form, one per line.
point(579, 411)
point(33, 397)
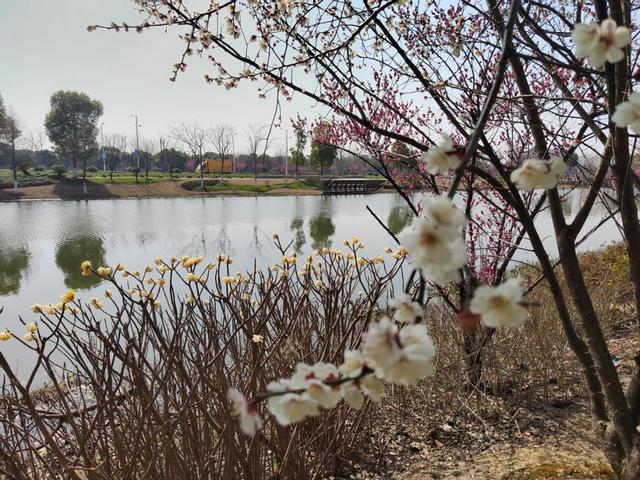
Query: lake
point(43, 242)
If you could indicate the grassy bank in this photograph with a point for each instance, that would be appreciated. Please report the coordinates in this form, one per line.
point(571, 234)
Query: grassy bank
point(218, 186)
point(123, 186)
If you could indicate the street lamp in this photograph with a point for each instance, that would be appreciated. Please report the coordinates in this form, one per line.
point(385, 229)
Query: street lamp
point(233, 152)
point(102, 154)
point(286, 153)
point(137, 140)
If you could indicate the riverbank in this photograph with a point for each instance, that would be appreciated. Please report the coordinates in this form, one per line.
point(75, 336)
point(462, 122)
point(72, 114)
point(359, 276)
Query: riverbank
point(73, 190)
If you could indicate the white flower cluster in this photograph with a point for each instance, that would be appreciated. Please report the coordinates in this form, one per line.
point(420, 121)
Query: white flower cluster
point(434, 241)
point(406, 310)
point(499, 307)
point(442, 157)
point(398, 356)
point(539, 173)
point(601, 43)
point(627, 113)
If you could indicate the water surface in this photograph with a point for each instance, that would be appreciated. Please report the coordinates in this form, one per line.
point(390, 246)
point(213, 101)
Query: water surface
point(43, 242)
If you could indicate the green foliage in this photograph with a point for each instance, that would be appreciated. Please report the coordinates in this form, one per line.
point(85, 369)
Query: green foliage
point(211, 185)
point(297, 152)
point(322, 153)
point(58, 170)
point(403, 153)
point(71, 124)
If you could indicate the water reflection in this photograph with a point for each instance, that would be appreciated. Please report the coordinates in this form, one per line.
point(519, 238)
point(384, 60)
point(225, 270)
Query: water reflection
point(13, 261)
point(299, 238)
point(321, 229)
point(134, 232)
point(399, 217)
point(80, 246)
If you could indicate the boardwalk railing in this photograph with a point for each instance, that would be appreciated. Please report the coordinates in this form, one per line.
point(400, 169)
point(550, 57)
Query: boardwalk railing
point(348, 186)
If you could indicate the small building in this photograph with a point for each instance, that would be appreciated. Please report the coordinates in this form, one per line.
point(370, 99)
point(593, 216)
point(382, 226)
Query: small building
point(215, 166)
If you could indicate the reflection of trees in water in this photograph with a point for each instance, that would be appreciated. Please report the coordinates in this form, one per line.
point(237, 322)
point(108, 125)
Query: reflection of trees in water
point(70, 252)
point(299, 238)
point(255, 246)
point(321, 228)
point(399, 217)
point(13, 260)
point(225, 245)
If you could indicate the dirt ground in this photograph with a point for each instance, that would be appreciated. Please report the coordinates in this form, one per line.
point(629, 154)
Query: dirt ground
point(538, 441)
point(73, 191)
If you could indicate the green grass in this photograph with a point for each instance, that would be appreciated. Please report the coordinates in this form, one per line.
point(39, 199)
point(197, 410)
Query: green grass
point(216, 186)
point(125, 180)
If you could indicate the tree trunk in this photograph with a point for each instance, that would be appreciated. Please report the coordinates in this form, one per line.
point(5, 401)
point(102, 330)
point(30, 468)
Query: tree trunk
point(74, 167)
point(255, 168)
point(630, 468)
point(84, 176)
point(13, 165)
point(222, 170)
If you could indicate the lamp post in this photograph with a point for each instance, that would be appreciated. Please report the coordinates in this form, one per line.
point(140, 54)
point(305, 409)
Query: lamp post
point(286, 152)
point(233, 152)
point(137, 140)
point(102, 154)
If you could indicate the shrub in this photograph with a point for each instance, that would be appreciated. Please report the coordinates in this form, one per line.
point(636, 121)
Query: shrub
point(145, 388)
point(58, 170)
point(92, 169)
point(193, 185)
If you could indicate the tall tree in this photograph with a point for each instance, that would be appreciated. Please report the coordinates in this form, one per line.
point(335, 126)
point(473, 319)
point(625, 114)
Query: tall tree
point(258, 139)
point(72, 126)
point(323, 153)
point(9, 133)
point(171, 159)
point(195, 138)
point(222, 141)
point(297, 152)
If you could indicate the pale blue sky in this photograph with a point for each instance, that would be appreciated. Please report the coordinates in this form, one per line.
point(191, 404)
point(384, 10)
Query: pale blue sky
point(45, 47)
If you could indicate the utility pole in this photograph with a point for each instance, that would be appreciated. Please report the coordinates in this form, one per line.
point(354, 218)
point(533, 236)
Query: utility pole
point(233, 152)
point(104, 156)
point(286, 148)
point(137, 140)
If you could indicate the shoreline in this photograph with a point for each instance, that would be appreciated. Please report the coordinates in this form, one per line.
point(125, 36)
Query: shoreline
point(62, 191)
point(163, 189)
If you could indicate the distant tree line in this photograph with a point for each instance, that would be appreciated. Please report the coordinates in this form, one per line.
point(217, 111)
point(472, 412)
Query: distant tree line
point(77, 141)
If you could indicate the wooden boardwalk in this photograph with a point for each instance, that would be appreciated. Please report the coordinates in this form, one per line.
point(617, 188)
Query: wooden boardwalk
point(351, 186)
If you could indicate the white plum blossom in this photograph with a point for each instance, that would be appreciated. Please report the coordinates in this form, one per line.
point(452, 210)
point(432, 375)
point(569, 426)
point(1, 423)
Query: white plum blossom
point(627, 113)
point(313, 379)
point(400, 357)
point(442, 157)
point(406, 310)
point(246, 411)
point(352, 391)
point(601, 43)
point(292, 406)
point(416, 358)
point(499, 306)
point(381, 346)
point(539, 173)
point(435, 244)
point(443, 211)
